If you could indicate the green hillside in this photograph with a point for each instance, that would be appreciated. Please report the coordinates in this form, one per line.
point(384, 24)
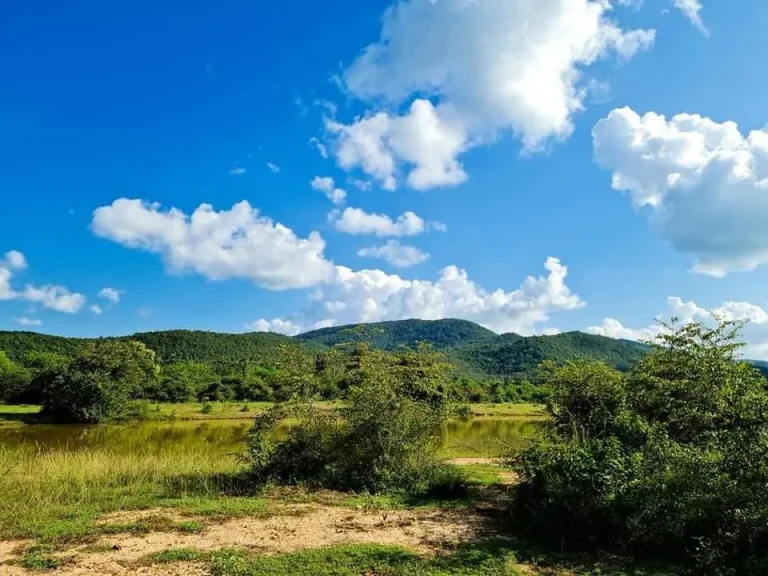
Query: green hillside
point(512, 354)
point(170, 345)
point(474, 349)
point(441, 334)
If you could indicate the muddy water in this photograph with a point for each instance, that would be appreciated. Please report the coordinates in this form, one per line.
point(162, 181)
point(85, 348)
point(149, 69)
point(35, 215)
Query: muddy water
point(476, 437)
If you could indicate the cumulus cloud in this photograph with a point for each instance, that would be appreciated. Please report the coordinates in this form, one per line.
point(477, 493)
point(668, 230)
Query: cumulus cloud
point(358, 222)
point(327, 186)
point(691, 9)
point(702, 184)
point(235, 243)
point(426, 139)
point(276, 325)
point(24, 321)
point(56, 298)
point(237, 171)
point(468, 72)
point(111, 294)
point(273, 167)
point(12, 262)
point(96, 309)
point(373, 295)
point(398, 255)
point(684, 312)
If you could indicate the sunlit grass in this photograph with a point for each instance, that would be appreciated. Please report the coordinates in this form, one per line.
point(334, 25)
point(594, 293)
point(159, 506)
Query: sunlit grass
point(60, 493)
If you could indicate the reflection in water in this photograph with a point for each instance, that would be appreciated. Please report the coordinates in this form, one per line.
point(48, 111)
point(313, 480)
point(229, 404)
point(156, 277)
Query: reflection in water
point(480, 436)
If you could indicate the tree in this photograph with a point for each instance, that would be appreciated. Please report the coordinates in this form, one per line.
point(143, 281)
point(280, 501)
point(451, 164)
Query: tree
point(14, 379)
point(99, 382)
point(671, 459)
point(384, 439)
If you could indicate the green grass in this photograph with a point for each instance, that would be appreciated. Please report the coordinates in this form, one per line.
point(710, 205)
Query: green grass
point(495, 557)
point(234, 411)
point(177, 555)
point(60, 494)
point(39, 558)
point(358, 560)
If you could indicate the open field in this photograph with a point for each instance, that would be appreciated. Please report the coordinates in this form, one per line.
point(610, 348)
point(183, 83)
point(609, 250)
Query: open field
point(98, 513)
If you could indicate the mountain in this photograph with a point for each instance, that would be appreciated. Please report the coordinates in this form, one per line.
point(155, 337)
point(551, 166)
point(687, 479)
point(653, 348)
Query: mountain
point(170, 345)
point(512, 354)
point(475, 350)
point(441, 334)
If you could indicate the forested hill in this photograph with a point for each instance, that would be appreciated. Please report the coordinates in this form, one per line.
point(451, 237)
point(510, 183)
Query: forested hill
point(441, 334)
point(475, 350)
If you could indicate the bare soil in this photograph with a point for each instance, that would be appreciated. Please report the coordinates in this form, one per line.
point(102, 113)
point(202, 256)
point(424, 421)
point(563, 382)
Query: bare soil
point(294, 528)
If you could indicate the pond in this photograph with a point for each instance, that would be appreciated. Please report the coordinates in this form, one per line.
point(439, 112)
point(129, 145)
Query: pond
point(479, 437)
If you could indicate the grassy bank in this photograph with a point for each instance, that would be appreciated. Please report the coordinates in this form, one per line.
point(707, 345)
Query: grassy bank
point(10, 414)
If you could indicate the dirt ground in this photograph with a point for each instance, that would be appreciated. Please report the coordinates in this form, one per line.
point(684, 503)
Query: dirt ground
point(293, 528)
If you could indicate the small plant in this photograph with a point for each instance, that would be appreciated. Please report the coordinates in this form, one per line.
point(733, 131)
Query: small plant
point(463, 412)
point(177, 555)
point(244, 408)
point(39, 558)
point(207, 408)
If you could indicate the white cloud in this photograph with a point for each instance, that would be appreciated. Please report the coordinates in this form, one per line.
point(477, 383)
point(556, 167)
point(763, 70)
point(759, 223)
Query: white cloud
point(427, 139)
point(321, 148)
point(364, 185)
point(358, 222)
point(327, 186)
point(398, 255)
point(273, 167)
point(96, 309)
point(373, 295)
point(11, 262)
point(685, 312)
point(238, 171)
point(111, 294)
point(691, 9)
point(702, 184)
point(56, 298)
point(235, 243)
point(24, 321)
point(277, 325)
point(487, 68)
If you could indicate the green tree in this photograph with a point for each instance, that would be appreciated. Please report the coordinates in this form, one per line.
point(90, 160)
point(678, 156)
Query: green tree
point(384, 439)
point(671, 459)
point(100, 382)
point(14, 380)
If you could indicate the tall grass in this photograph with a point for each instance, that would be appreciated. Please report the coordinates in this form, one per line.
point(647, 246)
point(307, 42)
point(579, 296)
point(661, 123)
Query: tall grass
point(59, 492)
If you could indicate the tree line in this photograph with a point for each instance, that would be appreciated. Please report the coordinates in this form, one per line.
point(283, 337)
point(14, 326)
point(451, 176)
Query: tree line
point(116, 374)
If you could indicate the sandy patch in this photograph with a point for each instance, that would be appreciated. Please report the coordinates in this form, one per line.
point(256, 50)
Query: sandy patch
point(301, 527)
point(471, 461)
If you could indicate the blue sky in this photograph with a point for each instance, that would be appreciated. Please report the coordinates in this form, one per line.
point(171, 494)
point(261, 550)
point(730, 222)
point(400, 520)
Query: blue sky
point(519, 165)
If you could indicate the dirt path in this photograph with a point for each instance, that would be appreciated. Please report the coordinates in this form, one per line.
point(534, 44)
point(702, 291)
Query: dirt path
point(297, 527)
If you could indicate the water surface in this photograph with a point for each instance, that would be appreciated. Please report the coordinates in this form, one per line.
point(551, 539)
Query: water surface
point(477, 437)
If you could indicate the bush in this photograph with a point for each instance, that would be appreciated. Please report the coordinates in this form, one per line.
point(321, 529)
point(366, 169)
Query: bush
point(669, 460)
point(385, 440)
point(99, 383)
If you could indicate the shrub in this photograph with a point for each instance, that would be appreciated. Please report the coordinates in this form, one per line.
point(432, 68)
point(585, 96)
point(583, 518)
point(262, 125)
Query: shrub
point(99, 382)
point(671, 459)
point(384, 440)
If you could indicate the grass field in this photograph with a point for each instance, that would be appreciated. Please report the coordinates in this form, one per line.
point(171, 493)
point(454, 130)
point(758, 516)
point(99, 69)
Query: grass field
point(247, 410)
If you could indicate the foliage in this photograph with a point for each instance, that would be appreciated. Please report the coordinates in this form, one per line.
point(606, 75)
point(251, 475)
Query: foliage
point(670, 459)
point(99, 382)
point(486, 559)
point(441, 334)
point(14, 380)
point(385, 439)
